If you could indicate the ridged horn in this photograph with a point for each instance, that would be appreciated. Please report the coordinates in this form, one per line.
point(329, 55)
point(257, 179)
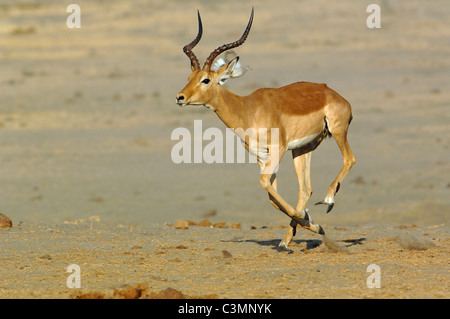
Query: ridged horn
point(188, 48)
point(228, 46)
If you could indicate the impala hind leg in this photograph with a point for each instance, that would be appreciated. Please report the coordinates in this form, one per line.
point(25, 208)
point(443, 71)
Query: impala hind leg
point(348, 162)
point(302, 167)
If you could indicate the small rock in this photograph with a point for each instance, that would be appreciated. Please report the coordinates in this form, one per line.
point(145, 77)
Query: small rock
point(181, 224)
point(168, 293)
point(45, 257)
point(5, 222)
point(131, 292)
point(88, 295)
point(236, 225)
point(226, 254)
point(205, 223)
point(220, 225)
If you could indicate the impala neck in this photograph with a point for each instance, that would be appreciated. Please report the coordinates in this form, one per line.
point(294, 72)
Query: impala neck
point(231, 109)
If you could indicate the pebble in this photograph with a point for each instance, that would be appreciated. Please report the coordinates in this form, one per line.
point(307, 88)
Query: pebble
point(181, 224)
point(226, 254)
point(5, 222)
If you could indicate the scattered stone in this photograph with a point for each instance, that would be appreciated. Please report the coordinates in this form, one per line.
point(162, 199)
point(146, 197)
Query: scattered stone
point(5, 222)
point(236, 225)
point(168, 293)
point(220, 225)
point(205, 223)
point(45, 257)
point(88, 295)
point(406, 226)
point(131, 292)
point(184, 224)
point(139, 291)
point(181, 224)
point(226, 254)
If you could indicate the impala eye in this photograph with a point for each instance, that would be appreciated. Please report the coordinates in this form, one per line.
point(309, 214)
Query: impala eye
point(206, 81)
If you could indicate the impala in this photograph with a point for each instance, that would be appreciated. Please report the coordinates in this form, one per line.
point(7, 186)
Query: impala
point(304, 114)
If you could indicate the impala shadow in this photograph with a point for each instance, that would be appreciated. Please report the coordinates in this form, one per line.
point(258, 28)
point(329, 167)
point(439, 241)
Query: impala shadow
point(273, 243)
point(310, 243)
point(353, 242)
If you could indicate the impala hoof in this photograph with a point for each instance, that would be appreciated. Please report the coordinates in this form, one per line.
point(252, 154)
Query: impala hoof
point(330, 205)
point(321, 232)
point(316, 228)
point(282, 246)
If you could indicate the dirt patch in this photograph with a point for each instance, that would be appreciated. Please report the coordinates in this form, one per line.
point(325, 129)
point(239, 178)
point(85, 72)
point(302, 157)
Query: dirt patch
point(203, 262)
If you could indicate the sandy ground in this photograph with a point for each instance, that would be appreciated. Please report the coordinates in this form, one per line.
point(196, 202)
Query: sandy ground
point(86, 175)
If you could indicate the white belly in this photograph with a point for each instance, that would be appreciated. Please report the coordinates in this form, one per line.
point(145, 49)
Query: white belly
point(302, 141)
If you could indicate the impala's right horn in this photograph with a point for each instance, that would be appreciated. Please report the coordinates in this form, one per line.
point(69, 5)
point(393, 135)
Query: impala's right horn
point(195, 65)
point(225, 47)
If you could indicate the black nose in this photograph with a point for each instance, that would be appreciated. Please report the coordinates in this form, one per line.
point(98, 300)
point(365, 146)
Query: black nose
point(180, 98)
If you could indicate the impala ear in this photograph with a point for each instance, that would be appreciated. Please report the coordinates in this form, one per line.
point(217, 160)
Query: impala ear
point(226, 71)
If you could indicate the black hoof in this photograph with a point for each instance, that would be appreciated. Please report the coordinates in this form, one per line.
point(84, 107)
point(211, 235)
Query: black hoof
point(321, 232)
point(329, 208)
point(282, 248)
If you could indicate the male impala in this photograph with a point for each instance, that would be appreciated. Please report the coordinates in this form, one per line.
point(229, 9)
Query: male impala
point(304, 114)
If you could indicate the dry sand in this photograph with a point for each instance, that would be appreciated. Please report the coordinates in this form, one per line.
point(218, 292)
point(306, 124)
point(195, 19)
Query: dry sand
point(86, 176)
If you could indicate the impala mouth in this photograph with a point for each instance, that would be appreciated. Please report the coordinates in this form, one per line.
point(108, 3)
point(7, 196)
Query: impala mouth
point(181, 103)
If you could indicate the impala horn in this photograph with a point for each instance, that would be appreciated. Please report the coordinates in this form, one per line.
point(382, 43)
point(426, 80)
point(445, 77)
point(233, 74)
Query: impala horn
point(228, 46)
point(188, 48)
